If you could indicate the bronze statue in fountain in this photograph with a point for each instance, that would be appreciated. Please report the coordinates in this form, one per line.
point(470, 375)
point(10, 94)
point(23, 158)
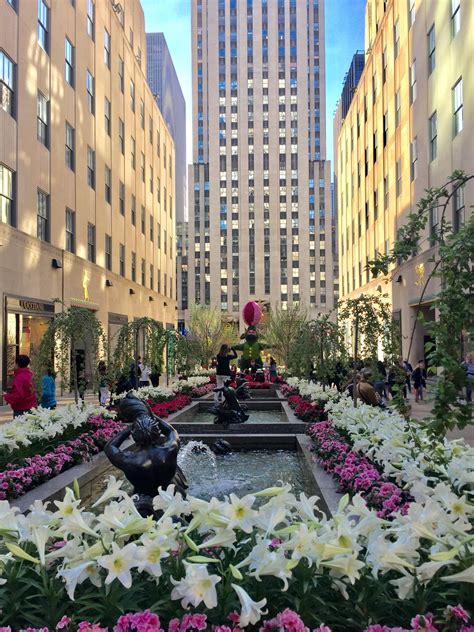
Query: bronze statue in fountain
point(153, 461)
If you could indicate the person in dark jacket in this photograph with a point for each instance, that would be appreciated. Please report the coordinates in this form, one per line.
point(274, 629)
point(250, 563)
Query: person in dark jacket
point(223, 372)
point(419, 380)
point(22, 397)
point(48, 391)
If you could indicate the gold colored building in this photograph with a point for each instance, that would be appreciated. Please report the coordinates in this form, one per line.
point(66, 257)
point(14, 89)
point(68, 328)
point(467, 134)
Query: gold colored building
point(87, 212)
point(409, 126)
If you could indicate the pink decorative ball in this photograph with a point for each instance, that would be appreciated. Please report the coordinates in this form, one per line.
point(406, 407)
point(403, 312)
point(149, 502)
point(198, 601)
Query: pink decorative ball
point(252, 313)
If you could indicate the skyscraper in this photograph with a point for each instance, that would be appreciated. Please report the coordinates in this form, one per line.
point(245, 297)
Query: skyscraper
point(164, 84)
point(259, 221)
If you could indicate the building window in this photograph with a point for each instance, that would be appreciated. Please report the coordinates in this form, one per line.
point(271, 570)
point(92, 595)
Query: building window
point(142, 114)
point(42, 119)
point(132, 95)
point(142, 166)
point(397, 108)
point(143, 220)
point(121, 73)
point(107, 48)
point(90, 19)
point(433, 136)
point(134, 266)
point(414, 159)
point(122, 198)
point(132, 152)
point(152, 236)
point(91, 167)
point(413, 82)
point(385, 129)
point(458, 107)
point(456, 16)
point(431, 49)
point(398, 169)
point(385, 193)
point(133, 210)
point(43, 22)
point(69, 146)
point(90, 92)
point(158, 235)
point(459, 208)
point(121, 136)
point(7, 83)
point(107, 116)
point(384, 65)
point(396, 38)
point(6, 196)
point(152, 276)
point(108, 252)
point(42, 216)
point(143, 272)
point(122, 260)
point(70, 245)
point(150, 130)
point(108, 184)
point(69, 62)
point(91, 242)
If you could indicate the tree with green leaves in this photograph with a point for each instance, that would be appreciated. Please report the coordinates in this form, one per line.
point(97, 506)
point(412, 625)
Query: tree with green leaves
point(143, 337)
point(283, 329)
point(452, 261)
point(68, 331)
point(205, 332)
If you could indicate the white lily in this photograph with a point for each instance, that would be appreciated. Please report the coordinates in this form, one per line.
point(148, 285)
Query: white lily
point(347, 566)
point(467, 576)
point(221, 537)
point(119, 563)
point(251, 611)
point(196, 586)
point(151, 553)
point(240, 512)
point(113, 490)
point(75, 575)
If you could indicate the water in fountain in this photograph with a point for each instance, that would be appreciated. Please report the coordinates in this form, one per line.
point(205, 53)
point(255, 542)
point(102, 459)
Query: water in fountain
point(195, 456)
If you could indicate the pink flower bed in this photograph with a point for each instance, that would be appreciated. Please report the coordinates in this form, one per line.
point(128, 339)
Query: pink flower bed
point(454, 619)
point(164, 409)
point(199, 391)
point(27, 474)
point(286, 390)
point(355, 473)
point(306, 410)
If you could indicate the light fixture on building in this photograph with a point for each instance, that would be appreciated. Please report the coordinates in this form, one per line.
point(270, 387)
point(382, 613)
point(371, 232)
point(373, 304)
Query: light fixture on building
point(109, 283)
point(130, 291)
point(399, 279)
point(56, 263)
point(150, 298)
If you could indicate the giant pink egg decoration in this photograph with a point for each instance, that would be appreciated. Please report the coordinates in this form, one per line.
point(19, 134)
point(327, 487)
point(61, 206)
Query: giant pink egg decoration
point(252, 313)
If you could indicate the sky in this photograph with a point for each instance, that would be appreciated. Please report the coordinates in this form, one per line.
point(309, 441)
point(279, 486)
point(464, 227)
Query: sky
point(344, 35)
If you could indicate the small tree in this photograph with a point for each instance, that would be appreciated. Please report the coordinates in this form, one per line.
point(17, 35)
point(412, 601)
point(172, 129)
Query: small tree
point(129, 346)
point(205, 332)
point(67, 330)
point(452, 263)
point(283, 329)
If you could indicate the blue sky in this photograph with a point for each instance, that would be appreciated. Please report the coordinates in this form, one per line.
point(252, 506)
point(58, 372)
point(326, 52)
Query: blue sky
point(344, 35)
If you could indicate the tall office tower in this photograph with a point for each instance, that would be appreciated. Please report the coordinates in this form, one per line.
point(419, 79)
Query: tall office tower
point(164, 84)
point(407, 129)
point(87, 203)
point(260, 212)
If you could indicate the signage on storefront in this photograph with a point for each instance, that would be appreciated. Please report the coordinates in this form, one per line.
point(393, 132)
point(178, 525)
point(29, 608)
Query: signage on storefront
point(29, 305)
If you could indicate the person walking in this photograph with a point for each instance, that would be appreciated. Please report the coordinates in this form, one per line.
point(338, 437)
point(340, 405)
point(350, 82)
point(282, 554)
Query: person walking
point(22, 397)
point(104, 392)
point(48, 391)
point(408, 370)
point(223, 372)
point(273, 369)
point(419, 380)
point(468, 364)
point(145, 372)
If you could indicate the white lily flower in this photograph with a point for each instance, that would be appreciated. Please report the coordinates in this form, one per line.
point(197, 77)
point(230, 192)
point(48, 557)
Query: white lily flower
point(39, 536)
point(151, 553)
point(251, 611)
point(171, 502)
point(196, 586)
point(221, 537)
point(75, 575)
point(240, 512)
point(113, 490)
point(347, 566)
point(119, 563)
point(307, 507)
point(467, 576)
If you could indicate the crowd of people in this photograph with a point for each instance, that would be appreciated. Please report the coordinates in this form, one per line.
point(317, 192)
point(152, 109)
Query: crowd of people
point(374, 384)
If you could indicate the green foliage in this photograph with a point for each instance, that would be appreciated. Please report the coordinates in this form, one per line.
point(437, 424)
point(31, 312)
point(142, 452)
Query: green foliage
point(319, 348)
point(283, 329)
point(73, 327)
point(143, 337)
point(452, 261)
point(205, 333)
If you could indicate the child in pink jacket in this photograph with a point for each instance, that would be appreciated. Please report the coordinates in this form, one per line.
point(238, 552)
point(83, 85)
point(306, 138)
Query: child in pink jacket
point(22, 397)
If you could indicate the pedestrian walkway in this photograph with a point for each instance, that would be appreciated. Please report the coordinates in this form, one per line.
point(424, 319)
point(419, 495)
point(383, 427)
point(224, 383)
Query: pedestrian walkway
point(6, 413)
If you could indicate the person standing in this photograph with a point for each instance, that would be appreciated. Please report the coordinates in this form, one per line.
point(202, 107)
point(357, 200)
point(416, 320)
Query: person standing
point(408, 370)
point(419, 380)
point(22, 397)
point(145, 372)
point(468, 364)
point(104, 392)
point(223, 372)
point(48, 391)
point(273, 369)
